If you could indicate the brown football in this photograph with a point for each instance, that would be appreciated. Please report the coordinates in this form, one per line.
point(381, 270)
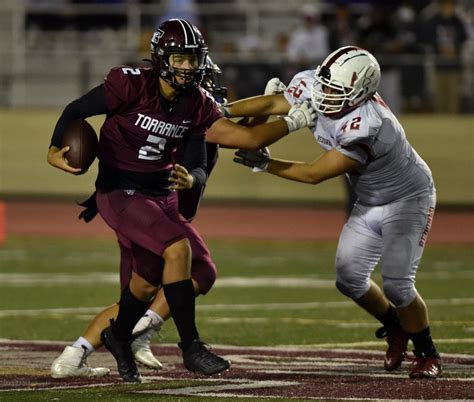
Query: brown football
point(83, 144)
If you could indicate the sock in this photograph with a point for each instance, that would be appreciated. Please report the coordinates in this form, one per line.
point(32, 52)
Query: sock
point(423, 343)
point(85, 344)
point(130, 311)
point(182, 302)
point(390, 318)
point(156, 319)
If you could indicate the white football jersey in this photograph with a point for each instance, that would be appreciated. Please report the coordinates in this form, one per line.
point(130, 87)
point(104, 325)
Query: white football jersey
point(390, 168)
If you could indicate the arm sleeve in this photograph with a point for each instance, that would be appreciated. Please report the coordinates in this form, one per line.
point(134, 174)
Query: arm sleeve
point(195, 160)
point(91, 104)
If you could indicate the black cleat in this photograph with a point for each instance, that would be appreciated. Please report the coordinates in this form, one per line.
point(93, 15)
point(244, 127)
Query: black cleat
point(199, 358)
point(123, 355)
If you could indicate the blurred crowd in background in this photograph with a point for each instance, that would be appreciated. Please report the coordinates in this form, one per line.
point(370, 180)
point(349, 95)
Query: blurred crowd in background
point(425, 47)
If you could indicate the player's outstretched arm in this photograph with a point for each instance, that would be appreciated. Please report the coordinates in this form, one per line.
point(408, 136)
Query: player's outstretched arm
point(262, 105)
point(231, 135)
point(330, 164)
point(57, 157)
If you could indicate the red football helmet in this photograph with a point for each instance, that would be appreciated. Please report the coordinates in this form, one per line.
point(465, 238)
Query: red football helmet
point(177, 36)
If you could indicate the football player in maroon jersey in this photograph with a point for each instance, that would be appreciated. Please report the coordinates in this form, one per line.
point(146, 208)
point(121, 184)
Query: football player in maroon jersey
point(156, 117)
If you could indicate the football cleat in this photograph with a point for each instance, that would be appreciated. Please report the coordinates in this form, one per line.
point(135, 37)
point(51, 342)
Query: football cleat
point(72, 362)
point(397, 340)
point(199, 358)
point(123, 355)
point(143, 332)
point(425, 367)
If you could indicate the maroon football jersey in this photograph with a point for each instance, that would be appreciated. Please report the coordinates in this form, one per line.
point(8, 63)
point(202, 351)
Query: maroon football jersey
point(142, 133)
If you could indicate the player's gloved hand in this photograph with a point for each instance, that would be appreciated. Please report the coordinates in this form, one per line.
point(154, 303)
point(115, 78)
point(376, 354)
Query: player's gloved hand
point(58, 158)
point(300, 115)
point(180, 178)
point(274, 87)
point(257, 160)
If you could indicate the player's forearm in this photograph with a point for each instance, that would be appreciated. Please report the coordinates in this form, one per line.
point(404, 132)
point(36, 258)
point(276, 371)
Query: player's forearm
point(259, 106)
point(266, 134)
point(292, 170)
point(230, 135)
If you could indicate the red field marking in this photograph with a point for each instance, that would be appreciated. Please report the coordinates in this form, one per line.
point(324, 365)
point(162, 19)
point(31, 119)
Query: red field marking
point(227, 222)
point(256, 372)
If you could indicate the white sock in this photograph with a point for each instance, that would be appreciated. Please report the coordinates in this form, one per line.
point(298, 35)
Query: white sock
point(156, 319)
point(85, 344)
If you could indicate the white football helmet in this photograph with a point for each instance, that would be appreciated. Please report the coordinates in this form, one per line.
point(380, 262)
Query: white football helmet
point(346, 78)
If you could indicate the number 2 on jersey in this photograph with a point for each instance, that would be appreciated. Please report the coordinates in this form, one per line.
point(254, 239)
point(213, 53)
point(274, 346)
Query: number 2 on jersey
point(152, 152)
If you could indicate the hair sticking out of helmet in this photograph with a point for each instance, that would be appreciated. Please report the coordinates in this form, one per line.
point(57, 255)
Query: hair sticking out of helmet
point(179, 37)
point(348, 77)
point(212, 83)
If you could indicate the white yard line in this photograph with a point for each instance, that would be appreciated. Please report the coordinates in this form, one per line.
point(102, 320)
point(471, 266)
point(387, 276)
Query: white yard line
point(85, 278)
point(233, 307)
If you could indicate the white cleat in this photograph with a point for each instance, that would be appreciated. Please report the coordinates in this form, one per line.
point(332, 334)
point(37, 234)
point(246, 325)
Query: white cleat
point(141, 345)
point(73, 363)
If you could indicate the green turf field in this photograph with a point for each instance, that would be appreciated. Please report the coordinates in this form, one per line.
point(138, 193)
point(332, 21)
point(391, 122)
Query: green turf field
point(268, 293)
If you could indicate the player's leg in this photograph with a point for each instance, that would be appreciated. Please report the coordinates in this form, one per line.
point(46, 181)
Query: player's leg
point(139, 219)
point(406, 225)
point(181, 300)
point(203, 272)
point(359, 249)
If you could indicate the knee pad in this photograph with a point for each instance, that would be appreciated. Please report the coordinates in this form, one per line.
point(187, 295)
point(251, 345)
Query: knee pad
point(350, 282)
point(401, 292)
point(352, 291)
point(205, 274)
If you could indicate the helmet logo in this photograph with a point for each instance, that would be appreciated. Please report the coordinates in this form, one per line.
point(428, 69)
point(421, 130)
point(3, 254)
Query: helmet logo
point(157, 36)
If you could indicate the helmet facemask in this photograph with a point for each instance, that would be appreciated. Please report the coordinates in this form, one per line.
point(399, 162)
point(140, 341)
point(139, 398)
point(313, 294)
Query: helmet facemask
point(180, 78)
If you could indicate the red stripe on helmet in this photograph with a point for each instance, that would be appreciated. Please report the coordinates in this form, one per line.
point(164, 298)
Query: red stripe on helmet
point(340, 53)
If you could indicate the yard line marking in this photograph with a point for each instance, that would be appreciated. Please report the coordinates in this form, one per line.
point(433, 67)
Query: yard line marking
point(230, 307)
point(85, 278)
point(203, 390)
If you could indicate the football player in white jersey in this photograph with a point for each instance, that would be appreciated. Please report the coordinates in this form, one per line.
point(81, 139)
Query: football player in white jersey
point(396, 195)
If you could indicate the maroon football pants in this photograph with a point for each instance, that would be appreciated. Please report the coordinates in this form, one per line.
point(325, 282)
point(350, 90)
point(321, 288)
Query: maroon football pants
point(145, 226)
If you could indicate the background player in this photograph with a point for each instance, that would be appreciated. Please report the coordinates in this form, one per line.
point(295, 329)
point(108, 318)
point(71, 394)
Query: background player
point(156, 117)
point(391, 220)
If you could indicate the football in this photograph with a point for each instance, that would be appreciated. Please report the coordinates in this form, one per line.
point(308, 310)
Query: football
point(83, 144)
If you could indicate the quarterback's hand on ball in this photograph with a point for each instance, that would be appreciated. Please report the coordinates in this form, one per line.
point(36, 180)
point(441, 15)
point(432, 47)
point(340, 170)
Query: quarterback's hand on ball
point(180, 178)
point(300, 115)
point(58, 159)
point(274, 87)
point(257, 160)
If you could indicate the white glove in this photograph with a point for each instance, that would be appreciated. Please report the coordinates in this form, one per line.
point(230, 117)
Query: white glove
point(300, 115)
point(274, 87)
